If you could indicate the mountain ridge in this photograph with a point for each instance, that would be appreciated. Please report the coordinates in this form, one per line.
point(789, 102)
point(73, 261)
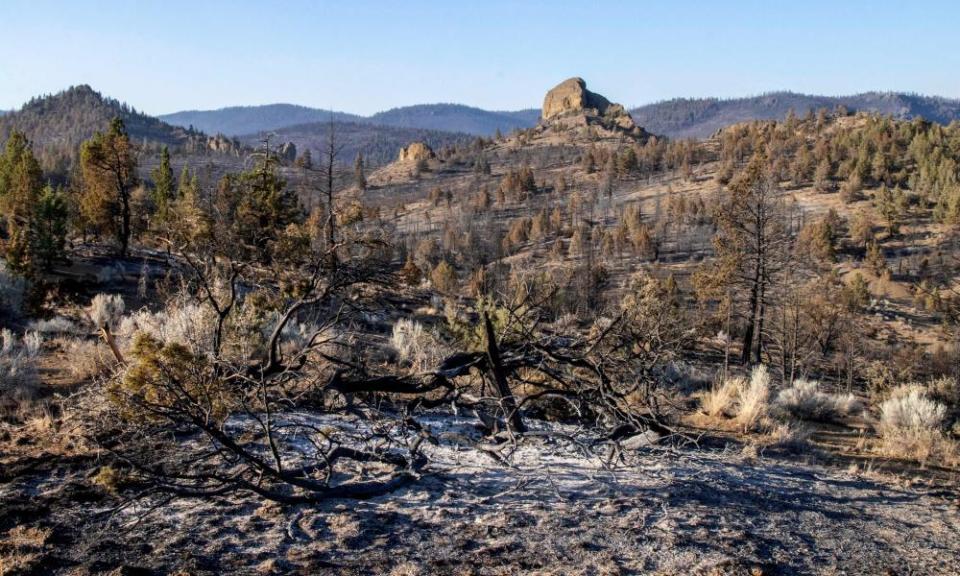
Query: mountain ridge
point(676, 117)
point(701, 117)
point(446, 117)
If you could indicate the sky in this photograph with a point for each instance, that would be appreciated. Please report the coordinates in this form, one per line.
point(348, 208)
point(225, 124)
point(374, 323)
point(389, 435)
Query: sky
point(366, 56)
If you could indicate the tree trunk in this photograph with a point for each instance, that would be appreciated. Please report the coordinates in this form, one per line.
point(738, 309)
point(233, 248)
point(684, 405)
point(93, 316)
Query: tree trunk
point(124, 224)
point(748, 335)
point(762, 309)
point(111, 342)
point(507, 400)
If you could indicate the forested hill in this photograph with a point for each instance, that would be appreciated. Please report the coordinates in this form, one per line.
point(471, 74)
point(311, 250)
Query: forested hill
point(457, 118)
point(699, 118)
point(66, 119)
point(242, 120)
point(239, 120)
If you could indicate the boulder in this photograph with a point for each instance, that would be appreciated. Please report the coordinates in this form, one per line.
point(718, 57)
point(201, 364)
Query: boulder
point(415, 152)
point(571, 99)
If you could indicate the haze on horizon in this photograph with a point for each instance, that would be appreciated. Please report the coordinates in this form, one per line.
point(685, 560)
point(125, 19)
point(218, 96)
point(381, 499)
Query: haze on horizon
point(370, 56)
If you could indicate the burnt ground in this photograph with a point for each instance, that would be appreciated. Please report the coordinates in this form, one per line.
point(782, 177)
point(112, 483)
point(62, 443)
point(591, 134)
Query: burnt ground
point(663, 510)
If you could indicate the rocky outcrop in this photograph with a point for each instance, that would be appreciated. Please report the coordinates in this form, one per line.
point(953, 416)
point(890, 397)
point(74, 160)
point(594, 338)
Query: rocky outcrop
point(570, 100)
point(288, 152)
point(222, 144)
point(572, 96)
point(415, 152)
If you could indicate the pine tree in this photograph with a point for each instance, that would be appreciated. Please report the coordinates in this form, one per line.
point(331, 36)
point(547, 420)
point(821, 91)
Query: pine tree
point(305, 160)
point(163, 186)
point(21, 181)
point(444, 277)
point(109, 170)
point(48, 228)
point(628, 161)
point(752, 244)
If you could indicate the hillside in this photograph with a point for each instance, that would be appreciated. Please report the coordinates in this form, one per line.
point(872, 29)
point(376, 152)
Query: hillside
point(379, 144)
point(236, 120)
point(62, 121)
point(701, 117)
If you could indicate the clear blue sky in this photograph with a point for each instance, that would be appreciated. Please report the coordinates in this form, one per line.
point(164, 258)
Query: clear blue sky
point(365, 56)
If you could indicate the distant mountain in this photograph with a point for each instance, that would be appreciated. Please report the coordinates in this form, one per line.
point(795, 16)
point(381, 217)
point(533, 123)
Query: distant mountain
point(379, 144)
point(241, 120)
point(237, 120)
point(699, 118)
point(456, 118)
point(58, 123)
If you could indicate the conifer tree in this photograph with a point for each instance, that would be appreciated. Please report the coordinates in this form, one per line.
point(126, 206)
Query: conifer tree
point(20, 187)
point(109, 170)
point(163, 186)
point(48, 228)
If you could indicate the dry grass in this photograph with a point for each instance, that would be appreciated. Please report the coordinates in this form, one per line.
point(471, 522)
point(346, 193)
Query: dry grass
point(344, 527)
point(720, 400)
point(416, 346)
point(744, 405)
point(788, 435)
point(753, 400)
point(87, 358)
point(21, 549)
point(407, 569)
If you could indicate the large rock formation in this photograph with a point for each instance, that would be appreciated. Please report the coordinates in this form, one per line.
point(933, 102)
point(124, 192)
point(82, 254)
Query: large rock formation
point(415, 152)
point(572, 96)
point(220, 144)
point(570, 99)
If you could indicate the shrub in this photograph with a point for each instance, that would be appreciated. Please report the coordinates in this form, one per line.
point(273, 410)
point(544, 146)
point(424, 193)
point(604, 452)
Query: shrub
point(18, 370)
point(106, 309)
point(804, 400)
point(444, 277)
point(179, 322)
point(57, 325)
point(87, 358)
point(910, 423)
point(789, 435)
point(12, 291)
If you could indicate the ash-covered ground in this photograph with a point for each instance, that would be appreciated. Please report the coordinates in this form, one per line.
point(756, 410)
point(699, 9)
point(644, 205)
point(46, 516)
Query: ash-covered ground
point(544, 506)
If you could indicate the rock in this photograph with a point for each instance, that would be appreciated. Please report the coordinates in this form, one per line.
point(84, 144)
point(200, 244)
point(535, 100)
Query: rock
point(415, 152)
point(288, 152)
point(572, 96)
point(642, 440)
point(571, 99)
point(221, 144)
